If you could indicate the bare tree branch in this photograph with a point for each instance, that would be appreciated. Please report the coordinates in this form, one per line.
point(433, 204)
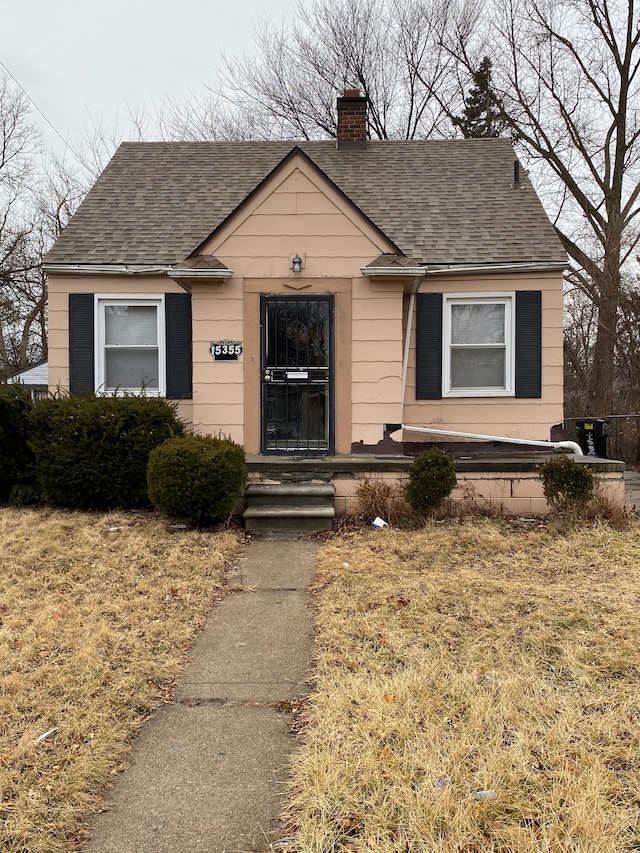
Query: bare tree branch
point(567, 74)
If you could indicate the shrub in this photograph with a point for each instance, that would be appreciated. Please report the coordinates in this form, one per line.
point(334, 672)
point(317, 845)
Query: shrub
point(92, 452)
point(24, 494)
point(196, 478)
point(382, 498)
point(568, 487)
point(16, 458)
point(432, 478)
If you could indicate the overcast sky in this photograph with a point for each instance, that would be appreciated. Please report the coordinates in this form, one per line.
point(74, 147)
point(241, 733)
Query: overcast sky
point(82, 58)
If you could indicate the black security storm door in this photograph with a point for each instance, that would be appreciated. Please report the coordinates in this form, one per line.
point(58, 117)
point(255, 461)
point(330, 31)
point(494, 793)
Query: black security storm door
point(297, 374)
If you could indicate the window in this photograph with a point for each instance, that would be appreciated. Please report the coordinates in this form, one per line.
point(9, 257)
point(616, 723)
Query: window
point(479, 346)
point(478, 352)
point(130, 345)
point(134, 355)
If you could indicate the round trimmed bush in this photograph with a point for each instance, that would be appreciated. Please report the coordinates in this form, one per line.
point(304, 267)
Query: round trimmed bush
point(196, 478)
point(567, 486)
point(432, 478)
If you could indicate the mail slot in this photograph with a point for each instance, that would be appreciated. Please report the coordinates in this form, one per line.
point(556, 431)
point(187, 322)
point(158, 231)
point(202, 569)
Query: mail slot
point(297, 374)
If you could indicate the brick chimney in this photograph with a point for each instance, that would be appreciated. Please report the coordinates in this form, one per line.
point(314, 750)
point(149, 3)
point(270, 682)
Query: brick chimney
point(352, 121)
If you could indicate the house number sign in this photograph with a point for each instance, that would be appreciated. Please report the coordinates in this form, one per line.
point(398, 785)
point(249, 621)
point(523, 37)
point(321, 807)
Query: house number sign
point(225, 350)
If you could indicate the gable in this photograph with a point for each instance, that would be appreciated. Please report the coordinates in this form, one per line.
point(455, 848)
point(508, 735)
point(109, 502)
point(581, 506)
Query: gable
point(296, 211)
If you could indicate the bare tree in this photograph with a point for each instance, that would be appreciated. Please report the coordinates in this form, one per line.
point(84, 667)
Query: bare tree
point(393, 51)
point(36, 201)
point(206, 115)
point(627, 375)
point(566, 72)
point(18, 145)
point(95, 145)
point(60, 191)
point(580, 325)
point(581, 322)
point(23, 304)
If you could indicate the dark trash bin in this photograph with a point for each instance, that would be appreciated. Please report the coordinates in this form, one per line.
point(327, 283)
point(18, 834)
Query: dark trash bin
point(592, 436)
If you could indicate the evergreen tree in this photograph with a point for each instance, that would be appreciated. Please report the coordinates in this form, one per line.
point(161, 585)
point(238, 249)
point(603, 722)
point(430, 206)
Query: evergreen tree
point(483, 112)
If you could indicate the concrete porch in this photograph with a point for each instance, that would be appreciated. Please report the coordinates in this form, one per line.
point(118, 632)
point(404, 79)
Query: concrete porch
point(510, 482)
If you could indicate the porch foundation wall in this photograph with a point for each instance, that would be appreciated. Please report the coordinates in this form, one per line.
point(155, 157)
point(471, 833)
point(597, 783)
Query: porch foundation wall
point(505, 486)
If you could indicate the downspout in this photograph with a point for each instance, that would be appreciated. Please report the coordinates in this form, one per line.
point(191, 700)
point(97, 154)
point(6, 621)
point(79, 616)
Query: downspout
point(415, 287)
point(568, 446)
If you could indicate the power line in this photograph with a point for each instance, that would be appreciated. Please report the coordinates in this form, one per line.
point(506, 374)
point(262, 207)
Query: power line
point(37, 108)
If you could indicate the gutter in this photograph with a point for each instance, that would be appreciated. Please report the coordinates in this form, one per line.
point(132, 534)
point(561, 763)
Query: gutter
point(530, 266)
point(448, 269)
point(120, 269)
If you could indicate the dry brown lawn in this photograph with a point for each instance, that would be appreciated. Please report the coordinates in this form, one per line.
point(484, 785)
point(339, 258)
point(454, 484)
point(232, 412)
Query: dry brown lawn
point(477, 690)
point(96, 614)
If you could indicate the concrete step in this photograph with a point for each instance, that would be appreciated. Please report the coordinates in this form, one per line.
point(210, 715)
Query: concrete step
point(276, 519)
point(290, 494)
point(289, 507)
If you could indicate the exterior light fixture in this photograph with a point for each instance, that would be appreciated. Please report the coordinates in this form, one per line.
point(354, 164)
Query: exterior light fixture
point(296, 264)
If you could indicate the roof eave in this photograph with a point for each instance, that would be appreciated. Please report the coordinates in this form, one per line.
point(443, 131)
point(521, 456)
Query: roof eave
point(200, 274)
point(393, 272)
point(123, 269)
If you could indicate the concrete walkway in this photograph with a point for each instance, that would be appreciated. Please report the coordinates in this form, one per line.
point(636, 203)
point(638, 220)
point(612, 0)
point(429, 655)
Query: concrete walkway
point(208, 772)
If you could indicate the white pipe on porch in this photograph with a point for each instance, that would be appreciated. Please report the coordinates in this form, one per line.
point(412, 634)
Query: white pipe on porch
point(569, 446)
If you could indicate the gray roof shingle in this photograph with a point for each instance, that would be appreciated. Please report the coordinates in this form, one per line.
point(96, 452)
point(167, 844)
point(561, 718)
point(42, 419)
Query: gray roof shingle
point(438, 201)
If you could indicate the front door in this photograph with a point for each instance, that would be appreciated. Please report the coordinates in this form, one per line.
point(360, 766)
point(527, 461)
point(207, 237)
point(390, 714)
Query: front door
point(297, 374)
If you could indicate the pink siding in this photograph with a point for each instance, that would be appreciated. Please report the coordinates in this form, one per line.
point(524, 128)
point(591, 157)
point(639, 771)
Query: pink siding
point(297, 212)
point(500, 416)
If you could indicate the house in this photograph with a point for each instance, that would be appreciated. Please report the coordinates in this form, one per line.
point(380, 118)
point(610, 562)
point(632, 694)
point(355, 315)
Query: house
point(307, 298)
point(34, 378)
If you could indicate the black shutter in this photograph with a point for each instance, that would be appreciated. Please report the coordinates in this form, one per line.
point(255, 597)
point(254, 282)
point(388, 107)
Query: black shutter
point(81, 343)
point(177, 312)
point(429, 346)
point(528, 343)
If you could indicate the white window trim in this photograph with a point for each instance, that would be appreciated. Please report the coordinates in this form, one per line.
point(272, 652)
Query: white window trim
point(104, 299)
point(509, 301)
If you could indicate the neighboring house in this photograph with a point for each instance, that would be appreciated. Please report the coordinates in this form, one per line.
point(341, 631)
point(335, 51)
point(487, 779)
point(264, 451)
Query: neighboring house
point(34, 378)
point(301, 297)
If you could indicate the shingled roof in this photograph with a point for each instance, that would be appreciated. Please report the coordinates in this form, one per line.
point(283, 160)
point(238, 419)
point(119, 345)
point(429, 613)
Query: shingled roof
point(438, 201)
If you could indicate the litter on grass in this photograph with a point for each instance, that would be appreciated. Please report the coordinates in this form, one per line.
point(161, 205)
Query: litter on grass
point(485, 795)
point(46, 735)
